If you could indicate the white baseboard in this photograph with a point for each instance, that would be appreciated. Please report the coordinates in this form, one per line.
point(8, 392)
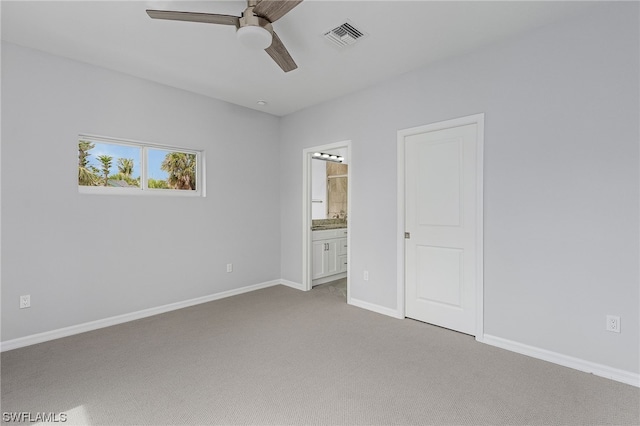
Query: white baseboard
point(375, 308)
point(328, 279)
point(119, 319)
point(292, 284)
point(601, 370)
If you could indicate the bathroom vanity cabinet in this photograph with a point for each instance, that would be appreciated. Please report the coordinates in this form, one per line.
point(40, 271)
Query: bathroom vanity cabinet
point(329, 254)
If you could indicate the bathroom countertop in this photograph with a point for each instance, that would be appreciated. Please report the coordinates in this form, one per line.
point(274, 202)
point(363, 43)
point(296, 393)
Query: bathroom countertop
point(322, 224)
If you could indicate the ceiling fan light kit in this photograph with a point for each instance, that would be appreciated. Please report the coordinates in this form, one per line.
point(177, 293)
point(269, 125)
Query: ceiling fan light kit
point(254, 32)
point(256, 38)
point(253, 28)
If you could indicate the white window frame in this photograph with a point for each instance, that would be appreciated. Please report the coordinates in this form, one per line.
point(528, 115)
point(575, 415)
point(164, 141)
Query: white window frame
point(143, 190)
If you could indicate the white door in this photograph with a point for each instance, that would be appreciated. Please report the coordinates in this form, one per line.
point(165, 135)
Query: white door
point(440, 217)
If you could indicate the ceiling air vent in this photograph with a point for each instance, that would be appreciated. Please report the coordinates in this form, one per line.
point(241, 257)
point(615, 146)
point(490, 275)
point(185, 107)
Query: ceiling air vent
point(344, 35)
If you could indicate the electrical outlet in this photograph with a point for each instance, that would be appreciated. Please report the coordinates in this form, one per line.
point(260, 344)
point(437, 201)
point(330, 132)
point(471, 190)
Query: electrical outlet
point(25, 301)
point(366, 275)
point(613, 323)
point(229, 267)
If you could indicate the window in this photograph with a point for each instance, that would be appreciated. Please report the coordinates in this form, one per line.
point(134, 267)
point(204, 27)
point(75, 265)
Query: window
point(108, 165)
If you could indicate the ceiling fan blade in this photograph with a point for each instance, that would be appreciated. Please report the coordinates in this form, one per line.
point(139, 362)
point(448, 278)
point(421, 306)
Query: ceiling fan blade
point(279, 53)
point(273, 10)
point(207, 18)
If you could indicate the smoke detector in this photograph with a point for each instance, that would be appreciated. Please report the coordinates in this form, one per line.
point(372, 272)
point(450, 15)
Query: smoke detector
point(344, 35)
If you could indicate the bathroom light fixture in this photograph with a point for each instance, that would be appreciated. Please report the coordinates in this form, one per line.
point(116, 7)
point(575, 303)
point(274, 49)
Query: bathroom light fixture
point(328, 157)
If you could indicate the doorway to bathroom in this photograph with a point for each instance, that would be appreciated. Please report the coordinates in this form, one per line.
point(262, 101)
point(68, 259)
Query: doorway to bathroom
point(326, 217)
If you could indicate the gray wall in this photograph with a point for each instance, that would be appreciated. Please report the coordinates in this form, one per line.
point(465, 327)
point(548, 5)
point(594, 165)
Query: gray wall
point(561, 180)
point(89, 257)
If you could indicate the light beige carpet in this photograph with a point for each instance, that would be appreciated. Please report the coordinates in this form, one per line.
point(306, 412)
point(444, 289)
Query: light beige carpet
point(281, 356)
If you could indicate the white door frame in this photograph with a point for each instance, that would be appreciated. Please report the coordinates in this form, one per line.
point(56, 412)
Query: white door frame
point(306, 212)
point(477, 119)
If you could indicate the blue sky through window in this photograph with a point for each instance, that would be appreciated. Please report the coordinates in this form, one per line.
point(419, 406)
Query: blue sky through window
point(155, 159)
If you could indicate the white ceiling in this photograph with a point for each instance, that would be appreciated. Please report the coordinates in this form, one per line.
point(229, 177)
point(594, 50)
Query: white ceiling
point(208, 59)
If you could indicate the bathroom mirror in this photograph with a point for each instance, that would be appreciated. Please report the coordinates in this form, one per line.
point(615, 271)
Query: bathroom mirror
point(329, 185)
point(337, 191)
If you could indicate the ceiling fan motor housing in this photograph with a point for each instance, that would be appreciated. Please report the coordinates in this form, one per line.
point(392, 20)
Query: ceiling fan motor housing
point(250, 19)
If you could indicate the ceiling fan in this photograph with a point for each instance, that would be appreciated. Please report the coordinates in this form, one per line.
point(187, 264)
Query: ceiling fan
point(253, 28)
